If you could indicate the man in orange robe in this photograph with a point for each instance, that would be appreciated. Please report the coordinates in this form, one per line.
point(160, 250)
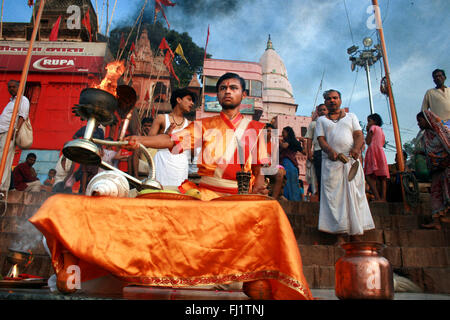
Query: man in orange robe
point(229, 142)
point(184, 243)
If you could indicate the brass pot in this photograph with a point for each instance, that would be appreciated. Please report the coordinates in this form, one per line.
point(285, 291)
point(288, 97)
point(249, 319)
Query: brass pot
point(363, 273)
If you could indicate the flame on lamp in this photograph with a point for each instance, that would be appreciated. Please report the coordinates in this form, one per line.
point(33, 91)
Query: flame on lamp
point(14, 272)
point(114, 71)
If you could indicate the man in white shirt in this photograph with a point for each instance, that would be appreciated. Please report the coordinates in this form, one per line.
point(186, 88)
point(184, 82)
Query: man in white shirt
point(344, 209)
point(5, 119)
point(437, 100)
point(313, 150)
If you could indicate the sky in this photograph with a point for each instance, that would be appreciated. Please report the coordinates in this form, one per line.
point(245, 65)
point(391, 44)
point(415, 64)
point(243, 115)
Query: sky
point(312, 38)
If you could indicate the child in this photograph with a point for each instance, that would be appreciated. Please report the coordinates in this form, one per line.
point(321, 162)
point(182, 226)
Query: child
point(375, 163)
point(48, 183)
point(302, 189)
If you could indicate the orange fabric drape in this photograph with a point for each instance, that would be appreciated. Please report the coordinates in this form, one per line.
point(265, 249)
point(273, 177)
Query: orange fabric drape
point(175, 243)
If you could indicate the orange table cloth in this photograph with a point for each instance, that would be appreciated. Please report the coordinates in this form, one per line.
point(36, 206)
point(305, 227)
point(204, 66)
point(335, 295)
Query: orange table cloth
point(175, 243)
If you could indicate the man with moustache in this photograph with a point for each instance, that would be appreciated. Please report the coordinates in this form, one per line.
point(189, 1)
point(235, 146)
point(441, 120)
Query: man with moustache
point(220, 158)
point(343, 205)
point(437, 100)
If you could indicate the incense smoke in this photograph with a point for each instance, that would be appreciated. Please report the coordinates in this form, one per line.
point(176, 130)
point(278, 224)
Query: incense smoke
point(30, 237)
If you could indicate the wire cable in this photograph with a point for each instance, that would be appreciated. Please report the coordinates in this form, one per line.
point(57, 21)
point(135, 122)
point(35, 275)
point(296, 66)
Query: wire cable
point(348, 20)
point(353, 89)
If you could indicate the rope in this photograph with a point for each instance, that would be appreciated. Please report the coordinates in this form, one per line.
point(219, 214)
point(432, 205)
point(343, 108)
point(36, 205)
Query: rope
point(411, 188)
point(110, 20)
point(353, 89)
point(129, 35)
point(348, 20)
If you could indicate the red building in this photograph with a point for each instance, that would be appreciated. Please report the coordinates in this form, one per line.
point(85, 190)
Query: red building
point(58, 71)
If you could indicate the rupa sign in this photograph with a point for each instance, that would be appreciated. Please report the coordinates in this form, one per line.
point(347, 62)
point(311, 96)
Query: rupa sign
point(53, 56)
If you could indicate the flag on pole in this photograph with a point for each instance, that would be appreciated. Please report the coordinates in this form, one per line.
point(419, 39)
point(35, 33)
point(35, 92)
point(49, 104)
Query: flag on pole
point(164, 45)
point(132, 48)
point(207, 38)
point(133, 62)
point(54, 33)
point(159, 7)
point(166, 2)
point(147, 97)
point(30, 3)
point(179, 51)
point(168, 63)
point(87, 23)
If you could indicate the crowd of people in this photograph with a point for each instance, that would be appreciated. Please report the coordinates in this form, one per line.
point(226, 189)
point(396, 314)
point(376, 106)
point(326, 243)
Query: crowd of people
point(345, 169)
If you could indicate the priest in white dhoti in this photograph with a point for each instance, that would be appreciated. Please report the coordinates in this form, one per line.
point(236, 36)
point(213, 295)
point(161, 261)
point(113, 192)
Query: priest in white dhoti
point(344, 209)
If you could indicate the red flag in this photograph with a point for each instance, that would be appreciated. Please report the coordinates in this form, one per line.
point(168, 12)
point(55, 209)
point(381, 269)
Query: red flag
point(132, 49)
point(164, 45)
point(30, 3)
point(165, 2)
point(207, 38)
point(133, 62)
point(87, 23)
point(147, 97)
point(122, 42)
point(168, 63)
point(158, 8)
point(55, 29)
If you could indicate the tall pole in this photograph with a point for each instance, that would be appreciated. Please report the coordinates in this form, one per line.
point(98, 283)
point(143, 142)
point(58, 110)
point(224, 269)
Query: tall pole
point(367, 67)
point(23, 80)
point(1, 22)
point(398, 141)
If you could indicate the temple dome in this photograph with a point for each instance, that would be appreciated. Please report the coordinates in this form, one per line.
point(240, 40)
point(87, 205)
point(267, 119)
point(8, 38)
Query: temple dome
point(275, 78)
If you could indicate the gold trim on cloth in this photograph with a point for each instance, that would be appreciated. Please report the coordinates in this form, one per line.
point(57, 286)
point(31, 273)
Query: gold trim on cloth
point(224, 279)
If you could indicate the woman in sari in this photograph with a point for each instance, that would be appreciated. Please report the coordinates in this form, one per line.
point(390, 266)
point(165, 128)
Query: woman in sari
point(289, 146)
point(436, 139)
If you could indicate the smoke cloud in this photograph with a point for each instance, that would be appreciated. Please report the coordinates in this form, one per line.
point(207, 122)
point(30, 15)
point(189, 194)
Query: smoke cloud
point(30, 237)
point(189, 13)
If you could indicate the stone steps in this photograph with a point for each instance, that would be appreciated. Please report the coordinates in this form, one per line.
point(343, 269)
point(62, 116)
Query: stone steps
point(392, 238)
point(399, 257)
point(421, 255)
point(429, 279)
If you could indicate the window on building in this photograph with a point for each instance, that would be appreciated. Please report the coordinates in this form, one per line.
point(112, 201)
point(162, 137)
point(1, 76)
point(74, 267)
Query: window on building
point(303, 131)
point(255, 88)
point(247, 87)
point(210, 84)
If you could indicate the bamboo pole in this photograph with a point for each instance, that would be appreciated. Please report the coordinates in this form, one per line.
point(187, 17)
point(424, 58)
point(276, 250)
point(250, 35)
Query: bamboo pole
point(96, 11)
point(398, 141)
point(119, 56)
point(110, 20)
point(23, 80)
point(1, 22)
